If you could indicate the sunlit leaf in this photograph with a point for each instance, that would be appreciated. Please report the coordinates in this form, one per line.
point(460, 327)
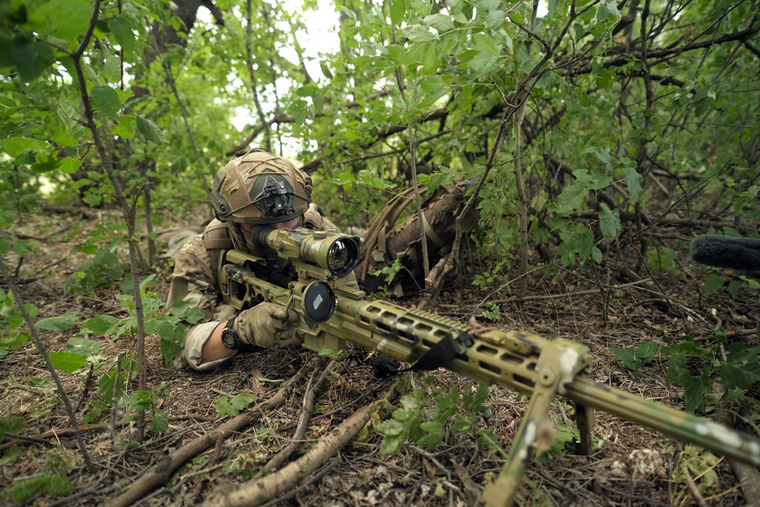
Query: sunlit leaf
point(67, 361)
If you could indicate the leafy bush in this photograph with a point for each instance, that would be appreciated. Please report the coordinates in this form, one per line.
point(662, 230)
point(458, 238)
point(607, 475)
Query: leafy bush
point(102, 270)
point(413, 422)
point(738, 372)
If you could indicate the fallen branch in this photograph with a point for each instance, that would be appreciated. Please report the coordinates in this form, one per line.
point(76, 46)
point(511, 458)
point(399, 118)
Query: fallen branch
point(262, 490)
point(303, 423)
point(65, 432)
point(49, 235)
point(317, 477)
point(166, 466)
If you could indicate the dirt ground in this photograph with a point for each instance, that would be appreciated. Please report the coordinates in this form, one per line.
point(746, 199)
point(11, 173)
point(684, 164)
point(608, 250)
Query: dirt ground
point(630, 465)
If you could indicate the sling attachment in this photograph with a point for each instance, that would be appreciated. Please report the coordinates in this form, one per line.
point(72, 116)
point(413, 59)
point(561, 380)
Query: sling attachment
point(455, 342)
point(430, 233)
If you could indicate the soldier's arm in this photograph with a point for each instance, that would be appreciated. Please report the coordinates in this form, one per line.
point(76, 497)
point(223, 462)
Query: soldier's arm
point(192, 281)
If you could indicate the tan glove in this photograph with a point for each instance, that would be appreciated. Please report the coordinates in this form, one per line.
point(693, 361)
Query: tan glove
point(267, 325)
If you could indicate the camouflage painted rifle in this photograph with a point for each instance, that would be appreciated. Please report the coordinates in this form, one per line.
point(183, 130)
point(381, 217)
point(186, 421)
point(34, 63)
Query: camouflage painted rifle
point(332, 311)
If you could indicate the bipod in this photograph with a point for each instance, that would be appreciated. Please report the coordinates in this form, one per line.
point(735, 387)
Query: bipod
point(558, 363)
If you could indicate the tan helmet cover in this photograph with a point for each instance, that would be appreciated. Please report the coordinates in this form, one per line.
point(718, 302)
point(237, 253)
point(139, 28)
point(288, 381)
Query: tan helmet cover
point(260, 188)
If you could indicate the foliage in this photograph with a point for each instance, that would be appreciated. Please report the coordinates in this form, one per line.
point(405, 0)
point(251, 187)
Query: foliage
point(11, 424)
point(556, 446)
point(414, 422)
point(12, 320)
point(492, 313)
point(232, 407)
point(169, 325)
point(693, 366)
point(701, 466)
point(101, 270)
point(148, 401)
point(52, 484)
point(636, 358)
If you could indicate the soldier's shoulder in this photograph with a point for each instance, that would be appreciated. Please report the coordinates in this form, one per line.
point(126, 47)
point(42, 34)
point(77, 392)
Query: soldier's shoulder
point(217, 236)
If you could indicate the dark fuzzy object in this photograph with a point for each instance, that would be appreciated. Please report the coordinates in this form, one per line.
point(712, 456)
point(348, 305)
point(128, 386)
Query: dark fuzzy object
point(727, 252)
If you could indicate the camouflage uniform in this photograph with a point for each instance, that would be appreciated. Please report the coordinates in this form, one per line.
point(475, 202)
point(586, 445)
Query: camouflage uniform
point(195, 280)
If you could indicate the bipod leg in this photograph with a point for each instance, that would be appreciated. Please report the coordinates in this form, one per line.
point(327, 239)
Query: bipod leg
point(501, 492)
point(584, 419)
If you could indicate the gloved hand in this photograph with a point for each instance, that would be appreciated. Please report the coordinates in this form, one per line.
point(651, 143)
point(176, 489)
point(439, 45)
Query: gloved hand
point(267, 325)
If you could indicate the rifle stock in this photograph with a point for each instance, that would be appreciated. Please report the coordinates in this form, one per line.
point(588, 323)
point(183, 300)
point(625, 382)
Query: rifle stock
point(525, 362)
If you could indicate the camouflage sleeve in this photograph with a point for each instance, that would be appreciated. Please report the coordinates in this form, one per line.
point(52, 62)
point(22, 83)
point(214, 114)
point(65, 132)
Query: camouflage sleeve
point(192, 280)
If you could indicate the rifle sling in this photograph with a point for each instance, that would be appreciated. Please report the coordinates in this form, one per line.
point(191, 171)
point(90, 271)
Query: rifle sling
point(455, 342)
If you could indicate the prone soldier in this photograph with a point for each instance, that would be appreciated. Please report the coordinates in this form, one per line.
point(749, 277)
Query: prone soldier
point(253, 189)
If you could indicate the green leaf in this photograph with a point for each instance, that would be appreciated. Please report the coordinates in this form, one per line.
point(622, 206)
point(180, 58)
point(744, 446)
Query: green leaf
point(609, 222)
point(171, 344)
point(31, 58)
point(440, 22)
point(9, 458)
point(83, 347)
point(571, 198)
point(122, 31)
point(308, 90)
point(102, 324)
point(430, 60)
point(713, 283)
point(390, 445)
point(107, 99)
point(496, 19)
point(112, 68)
point(740, 377)
point(159, 423)
point(646, 351)
point(391, 428)
point(12, 424)
point(60, 323)
point(126, 127)
point(633, 180)
point(15, 146)
point(70, 165)
point(65, 19)
point(241, 401)
point(22, 492)
point(186, 312)
point(751, 283)
point(58, 485)
point(325, 66)
point(67, 361)
point(694, 390)
point(419, 33)
point(150, 130)
point(225, 408)
point(398, 9)
point(13, 340)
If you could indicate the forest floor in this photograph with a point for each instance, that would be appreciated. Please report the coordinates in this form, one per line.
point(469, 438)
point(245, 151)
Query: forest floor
point(630, 465)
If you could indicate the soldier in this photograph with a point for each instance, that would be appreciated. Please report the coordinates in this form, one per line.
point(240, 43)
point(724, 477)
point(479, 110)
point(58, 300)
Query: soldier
point(255, 188)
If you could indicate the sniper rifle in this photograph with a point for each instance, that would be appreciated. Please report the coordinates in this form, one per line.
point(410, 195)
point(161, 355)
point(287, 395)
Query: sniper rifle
point(333, 310)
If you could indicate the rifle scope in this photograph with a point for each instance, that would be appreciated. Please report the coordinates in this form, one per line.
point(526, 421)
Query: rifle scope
point(338, 253)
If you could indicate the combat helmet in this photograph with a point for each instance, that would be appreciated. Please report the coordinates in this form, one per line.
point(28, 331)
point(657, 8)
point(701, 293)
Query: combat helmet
point(259, 187)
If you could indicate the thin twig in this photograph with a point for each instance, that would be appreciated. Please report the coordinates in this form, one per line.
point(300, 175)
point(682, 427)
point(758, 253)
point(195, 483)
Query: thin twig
point(693, 487)
point(43, 351)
